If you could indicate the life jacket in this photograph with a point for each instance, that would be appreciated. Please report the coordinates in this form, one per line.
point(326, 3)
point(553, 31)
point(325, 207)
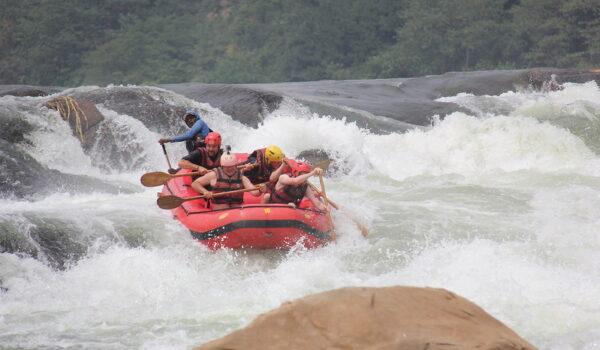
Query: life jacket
point(210, 162)
point(196, 142)
point(263, 171)
point(289, 194)
point(226, 183)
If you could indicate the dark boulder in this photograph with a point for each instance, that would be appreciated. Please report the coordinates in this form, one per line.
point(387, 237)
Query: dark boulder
point(13, 128)
point(82, 116)
point(24, 90)
point(245, 104)
point(552, 79)
point(21, 176)
point(140, 103)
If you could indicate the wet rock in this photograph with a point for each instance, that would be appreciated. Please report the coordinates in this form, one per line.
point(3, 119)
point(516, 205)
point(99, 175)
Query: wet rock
point(57, 242)
point(140, 103)
point(13, 128)
point(21, 176)
point(394, 318)
point(552, 79)
point(380, 105)
point(24, 91)
point(243, 103)
point(82, 115)
point(316, 156)
point(313, 156)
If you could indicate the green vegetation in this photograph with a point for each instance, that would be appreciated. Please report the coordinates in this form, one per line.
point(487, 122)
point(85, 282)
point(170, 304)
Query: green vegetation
point(75, 42)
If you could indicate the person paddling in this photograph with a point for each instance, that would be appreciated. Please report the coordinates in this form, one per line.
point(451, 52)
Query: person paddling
point(266, 164)
point(204, 158)
point(225, 178)
point(194, 137)
point(292, 187)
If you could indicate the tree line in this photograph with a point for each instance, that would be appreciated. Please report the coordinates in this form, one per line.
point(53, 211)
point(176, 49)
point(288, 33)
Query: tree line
point(75, 42)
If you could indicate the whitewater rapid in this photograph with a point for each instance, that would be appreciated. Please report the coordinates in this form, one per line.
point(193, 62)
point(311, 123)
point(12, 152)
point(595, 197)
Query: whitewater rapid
point(500, 205)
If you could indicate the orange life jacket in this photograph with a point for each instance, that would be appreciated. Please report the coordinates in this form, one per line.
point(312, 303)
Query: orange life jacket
point(207, 161)
point(289, 194)
point(228, 183)
point(263, 170)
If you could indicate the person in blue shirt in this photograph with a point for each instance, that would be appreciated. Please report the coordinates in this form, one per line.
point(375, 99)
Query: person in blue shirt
point(195, 136)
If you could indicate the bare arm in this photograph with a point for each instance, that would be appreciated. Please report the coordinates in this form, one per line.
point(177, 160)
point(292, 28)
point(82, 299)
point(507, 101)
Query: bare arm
point(248, 185)
point(199, 183)
point(293, 181)
point(277, 173)
point(186, 164)
point(311, 195)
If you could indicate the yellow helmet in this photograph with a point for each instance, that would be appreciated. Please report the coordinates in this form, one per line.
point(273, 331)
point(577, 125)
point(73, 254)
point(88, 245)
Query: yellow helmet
point(274, 154)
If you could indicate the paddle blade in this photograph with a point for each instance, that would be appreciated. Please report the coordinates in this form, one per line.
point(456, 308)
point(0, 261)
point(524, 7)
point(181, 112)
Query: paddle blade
point(324, 164)
point(169, 202)
point(155, 178)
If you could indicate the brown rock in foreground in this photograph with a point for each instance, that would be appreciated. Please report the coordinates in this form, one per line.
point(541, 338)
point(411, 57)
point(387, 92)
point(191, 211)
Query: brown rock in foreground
point(395, 318)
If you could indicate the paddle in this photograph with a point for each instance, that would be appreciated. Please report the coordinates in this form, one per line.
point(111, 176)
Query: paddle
point(324, 164)
point(363, 229)
point(334, 236)
point(171, 202)
point(157, 178)
point(166, 155)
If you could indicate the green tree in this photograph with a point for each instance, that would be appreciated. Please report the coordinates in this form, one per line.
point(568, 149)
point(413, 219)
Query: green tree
point(441, 35)
point(559, 33)
point(285, 40)
point(48, 37)
point(153, 50)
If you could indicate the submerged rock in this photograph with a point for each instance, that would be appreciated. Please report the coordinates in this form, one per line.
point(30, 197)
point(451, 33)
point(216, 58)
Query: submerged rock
point(23, 177)
point(394, 318)
point(13, 128)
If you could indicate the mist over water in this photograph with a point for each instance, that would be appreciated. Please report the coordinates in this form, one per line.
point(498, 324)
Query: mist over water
point(500, 205)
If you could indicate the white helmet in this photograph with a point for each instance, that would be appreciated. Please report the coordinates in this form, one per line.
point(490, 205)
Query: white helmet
point(228, 159)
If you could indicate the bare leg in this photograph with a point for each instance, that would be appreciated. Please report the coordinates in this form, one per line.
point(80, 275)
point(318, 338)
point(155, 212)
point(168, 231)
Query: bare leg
point(265, 199)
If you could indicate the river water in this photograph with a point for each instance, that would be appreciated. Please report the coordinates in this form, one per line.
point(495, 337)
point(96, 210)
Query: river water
point(500, 205)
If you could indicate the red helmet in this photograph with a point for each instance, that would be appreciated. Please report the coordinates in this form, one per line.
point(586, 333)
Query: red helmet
point(213, 138)
point(299, 168)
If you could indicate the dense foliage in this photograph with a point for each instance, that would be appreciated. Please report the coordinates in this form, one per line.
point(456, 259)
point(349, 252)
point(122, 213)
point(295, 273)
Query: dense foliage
point(74, 42)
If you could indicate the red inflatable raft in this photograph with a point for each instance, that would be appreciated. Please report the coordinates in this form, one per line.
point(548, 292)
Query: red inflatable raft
point(253, 225)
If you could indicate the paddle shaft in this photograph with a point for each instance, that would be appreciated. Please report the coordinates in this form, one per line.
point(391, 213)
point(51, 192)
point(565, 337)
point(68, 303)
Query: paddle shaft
point(157, 178)
point(221, 194)
point(166, 155)
point(321, 193)
point(334, 235)
point(363, 229)
point(171, 202)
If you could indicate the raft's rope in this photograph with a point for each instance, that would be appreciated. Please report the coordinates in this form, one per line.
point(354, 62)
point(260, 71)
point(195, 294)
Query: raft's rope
point(70, 105)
